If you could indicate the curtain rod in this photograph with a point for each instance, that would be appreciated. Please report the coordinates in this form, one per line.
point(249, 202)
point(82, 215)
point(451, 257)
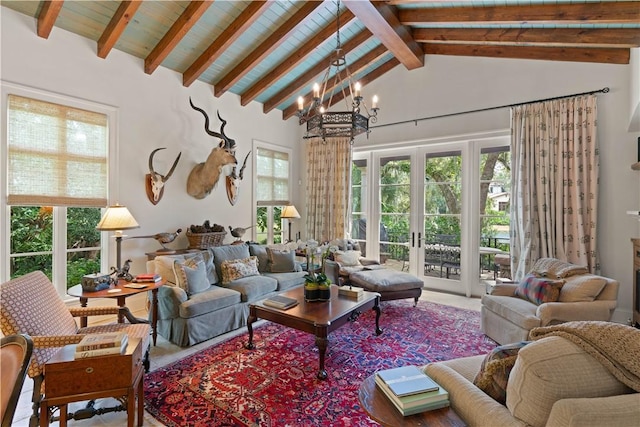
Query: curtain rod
point(603, 90)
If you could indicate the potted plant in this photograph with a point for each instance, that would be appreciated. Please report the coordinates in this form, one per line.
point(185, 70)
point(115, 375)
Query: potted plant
point(317, 286)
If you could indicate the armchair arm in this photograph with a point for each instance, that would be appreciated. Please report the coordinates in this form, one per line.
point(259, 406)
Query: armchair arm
point(622, 410)
point(92, 311)
point(53, 341)
point(504, 289)
point(556, 312)
point(169, 300)
point(365, 261)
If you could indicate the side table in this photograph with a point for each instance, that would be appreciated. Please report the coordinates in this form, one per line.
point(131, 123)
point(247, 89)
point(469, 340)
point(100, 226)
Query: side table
point(121, 294)
point(380, 409)
point(69, 380)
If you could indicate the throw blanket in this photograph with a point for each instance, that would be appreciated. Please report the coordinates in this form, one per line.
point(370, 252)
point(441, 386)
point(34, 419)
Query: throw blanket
point(614, 345)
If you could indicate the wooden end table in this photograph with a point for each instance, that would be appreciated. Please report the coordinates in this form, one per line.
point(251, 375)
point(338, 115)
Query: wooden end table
point(379, 408)
point(76, 380)
point(121, 294)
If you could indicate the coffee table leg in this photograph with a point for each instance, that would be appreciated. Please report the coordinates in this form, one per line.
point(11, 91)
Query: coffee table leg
point(252, 318)
point(376, 308)
point(322, 343)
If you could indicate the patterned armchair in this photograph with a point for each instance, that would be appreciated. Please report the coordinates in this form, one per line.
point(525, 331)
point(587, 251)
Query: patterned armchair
point(30, 305)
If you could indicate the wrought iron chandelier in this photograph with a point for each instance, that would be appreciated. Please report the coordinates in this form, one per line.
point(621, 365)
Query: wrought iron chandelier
point(337, 82)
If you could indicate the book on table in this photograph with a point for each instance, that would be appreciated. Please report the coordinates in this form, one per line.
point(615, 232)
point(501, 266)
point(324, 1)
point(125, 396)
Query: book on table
point(412, 401)
point(147, 278)
point(407, 380)
point(281, 302)
point(98, 341)
point(83, 354)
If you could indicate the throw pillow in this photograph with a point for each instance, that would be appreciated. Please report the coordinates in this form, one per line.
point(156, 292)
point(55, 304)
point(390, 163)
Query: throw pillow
point(347, 258)
point(538, 290)
point(553, 267)
point(207, 256)
point(191, 275)
point(164, 267)
point(281, 261)
point(237, 268)
point(495, 369)
point(584, 287)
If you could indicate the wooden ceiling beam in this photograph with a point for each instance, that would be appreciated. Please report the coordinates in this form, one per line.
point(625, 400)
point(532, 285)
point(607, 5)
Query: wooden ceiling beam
point(594, 37)
point(309, 75)
point(366, 79)
point(275, 39)
point(382, 21)
point(574, 54)
point(359, 65)
point(580, 13)
point(248, 16)
point(178, 30)
point(47, 17)
point(294, 59)
point(116, 26)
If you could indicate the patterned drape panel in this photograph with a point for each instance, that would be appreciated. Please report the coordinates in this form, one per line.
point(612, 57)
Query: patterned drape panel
point(328, 187)
point(555, 183)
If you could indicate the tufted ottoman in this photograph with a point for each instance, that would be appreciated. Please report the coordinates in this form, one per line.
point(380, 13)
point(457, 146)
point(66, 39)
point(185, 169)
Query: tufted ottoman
point(390, 284)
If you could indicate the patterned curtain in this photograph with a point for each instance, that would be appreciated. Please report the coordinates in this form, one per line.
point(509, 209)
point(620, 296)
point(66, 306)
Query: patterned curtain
point(554, 176)
point(328, 188)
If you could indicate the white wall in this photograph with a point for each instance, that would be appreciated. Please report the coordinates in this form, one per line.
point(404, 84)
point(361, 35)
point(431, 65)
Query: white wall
point(154, 112)
point(449, 84)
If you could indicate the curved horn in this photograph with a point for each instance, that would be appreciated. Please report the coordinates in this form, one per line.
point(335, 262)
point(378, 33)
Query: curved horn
point(175, 163)
point(244, 164)
point(224, 123)
point(151, 171)
point(206, 122)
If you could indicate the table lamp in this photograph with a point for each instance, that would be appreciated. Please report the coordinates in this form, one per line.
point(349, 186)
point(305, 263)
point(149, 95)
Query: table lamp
point(117, 218)
point(289, 212)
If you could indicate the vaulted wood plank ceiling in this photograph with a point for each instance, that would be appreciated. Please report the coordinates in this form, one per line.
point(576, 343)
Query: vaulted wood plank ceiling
point(272, 51)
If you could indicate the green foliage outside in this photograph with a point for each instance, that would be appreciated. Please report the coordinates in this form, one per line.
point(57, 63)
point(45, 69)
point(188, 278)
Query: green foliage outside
point(262, 223)
point(32, 237)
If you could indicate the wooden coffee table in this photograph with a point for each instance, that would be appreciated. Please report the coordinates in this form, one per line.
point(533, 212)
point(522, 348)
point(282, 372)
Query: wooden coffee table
point(379, 408)
point(318, 318)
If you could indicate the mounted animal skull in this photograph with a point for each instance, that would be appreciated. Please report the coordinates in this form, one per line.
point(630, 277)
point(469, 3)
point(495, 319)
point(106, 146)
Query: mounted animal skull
point(154, 182)
point(233, 181)
point(204, 176)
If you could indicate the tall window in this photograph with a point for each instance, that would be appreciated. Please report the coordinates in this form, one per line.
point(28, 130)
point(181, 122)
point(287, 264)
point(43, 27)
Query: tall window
point(57, 183)
point(272, 191)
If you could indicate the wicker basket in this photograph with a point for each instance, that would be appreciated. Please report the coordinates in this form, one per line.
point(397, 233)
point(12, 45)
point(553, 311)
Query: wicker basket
point(205, 240)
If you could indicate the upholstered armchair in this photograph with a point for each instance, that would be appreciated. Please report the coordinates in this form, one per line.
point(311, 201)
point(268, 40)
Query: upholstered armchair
point(15, 354)
point(30, 305)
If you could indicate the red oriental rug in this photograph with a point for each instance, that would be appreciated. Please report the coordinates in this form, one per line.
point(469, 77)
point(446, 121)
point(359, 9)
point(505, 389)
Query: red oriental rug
point(275, 384)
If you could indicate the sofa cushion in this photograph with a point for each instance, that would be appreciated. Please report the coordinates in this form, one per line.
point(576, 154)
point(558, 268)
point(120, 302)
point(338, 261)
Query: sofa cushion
point(234, 269)
point(518, 311)
point(554, 268)
point(287, 280)
point(496, 367)
point(228, 252)
point(347, 258)
point(583, 287)
point(215, 298)
point(260, 251)
point(551, 369)
point(538, 290)
point(281, 261)
point(253, 288)
point(163, 265)
point(191, 275)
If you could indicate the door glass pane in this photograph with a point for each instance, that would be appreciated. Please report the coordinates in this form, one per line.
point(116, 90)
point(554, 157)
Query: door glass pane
point(359, 203)
point(31, 241)
point(495, 199)
point(442, 212)
point(395, 211)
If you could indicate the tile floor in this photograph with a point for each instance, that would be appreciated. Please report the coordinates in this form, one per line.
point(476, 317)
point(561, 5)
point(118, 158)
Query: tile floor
point(166, 352)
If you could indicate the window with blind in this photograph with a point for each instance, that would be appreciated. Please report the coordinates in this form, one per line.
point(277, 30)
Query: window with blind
point(57, 183)
point(273, 174)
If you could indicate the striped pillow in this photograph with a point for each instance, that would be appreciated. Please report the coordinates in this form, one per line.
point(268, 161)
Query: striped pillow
point(539, 290)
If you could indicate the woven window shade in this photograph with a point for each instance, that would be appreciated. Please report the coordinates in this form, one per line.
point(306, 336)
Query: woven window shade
point(57, 154)
point(272, 178)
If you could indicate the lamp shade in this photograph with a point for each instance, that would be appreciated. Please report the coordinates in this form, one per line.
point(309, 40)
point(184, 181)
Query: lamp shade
point(116, 218)
point(290, 212)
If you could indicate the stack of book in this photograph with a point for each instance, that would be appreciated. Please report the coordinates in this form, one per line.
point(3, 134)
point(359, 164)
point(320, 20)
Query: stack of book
point(281, 302)
point(351, 292)
point(147, 278)
point(93, 345)
point(411, 391)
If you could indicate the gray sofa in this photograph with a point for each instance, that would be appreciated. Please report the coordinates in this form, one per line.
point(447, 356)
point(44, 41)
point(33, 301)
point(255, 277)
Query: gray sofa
point(188, 316)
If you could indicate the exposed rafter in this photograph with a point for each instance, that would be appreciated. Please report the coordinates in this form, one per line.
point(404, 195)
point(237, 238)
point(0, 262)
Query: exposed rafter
point(382, 21)
point(118, 23)
point(47, 17)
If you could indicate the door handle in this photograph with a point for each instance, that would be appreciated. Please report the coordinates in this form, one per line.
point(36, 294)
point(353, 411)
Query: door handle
point(419, 238)
point(413, 239)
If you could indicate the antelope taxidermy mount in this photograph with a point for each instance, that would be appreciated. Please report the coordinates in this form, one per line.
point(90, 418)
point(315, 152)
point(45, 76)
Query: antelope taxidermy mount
point(204, 176)
point(233, 181)
point(154, 182)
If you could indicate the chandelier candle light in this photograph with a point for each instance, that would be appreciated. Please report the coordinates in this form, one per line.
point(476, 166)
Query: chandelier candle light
point(322, 123)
